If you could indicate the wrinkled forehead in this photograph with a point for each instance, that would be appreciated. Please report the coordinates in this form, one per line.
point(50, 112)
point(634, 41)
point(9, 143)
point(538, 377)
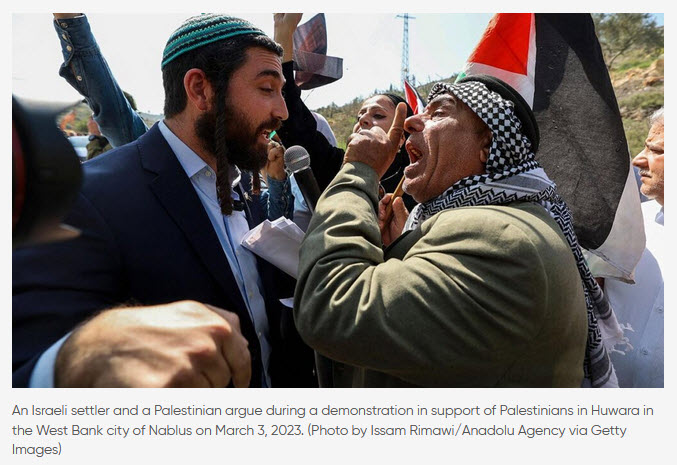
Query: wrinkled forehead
point(263, 62)
point(440, 99)
point(658, 126)
point(475, 95)
point(448, 99)
point(495, 111)
point(656, 133)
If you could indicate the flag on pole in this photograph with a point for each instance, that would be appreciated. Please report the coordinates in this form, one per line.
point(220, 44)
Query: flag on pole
point(413, 99)
point(555, 62)
point(313, 67)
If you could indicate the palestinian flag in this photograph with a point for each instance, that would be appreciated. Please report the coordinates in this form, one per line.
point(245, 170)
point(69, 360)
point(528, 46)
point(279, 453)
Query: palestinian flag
point(555, 62)
point(413, 99)
point(313, 67)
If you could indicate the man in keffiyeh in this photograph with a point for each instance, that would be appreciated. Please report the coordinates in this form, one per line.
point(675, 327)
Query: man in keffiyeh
point(485, 287)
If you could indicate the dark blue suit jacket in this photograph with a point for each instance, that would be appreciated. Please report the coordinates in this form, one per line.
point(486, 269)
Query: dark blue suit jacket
point(146, 239)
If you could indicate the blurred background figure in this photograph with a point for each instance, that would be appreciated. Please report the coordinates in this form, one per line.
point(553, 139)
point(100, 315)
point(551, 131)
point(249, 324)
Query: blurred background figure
point(97, 144)
point(641, 305)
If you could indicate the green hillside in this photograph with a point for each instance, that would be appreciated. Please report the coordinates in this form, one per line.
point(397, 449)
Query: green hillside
point(637, 81)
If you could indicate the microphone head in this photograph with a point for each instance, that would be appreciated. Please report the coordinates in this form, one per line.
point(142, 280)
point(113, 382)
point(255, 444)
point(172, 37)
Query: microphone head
point(296, 158)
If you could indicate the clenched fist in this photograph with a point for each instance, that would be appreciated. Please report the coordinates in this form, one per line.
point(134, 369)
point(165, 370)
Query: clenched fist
point(182, 344)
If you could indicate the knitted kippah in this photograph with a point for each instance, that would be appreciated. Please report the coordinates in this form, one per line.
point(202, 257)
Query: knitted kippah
point(205, 29)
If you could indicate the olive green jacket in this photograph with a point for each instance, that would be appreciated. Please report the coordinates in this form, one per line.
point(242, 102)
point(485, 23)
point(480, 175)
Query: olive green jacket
point(476, 297)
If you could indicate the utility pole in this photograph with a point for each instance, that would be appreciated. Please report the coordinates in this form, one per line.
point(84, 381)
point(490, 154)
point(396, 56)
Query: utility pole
point(405, 47)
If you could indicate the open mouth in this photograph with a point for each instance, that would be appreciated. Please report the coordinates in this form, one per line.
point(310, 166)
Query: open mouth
point(414, 153)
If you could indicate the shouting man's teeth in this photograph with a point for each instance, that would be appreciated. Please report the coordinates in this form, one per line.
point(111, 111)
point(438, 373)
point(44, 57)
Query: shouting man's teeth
point(415, 154)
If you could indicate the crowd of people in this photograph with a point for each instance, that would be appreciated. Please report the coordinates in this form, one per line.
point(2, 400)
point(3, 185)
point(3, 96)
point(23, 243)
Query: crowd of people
point(472, 278)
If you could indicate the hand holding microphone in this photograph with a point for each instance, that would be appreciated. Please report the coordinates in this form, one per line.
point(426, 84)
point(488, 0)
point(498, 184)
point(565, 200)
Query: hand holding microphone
point(275, 165)
point(297, 160)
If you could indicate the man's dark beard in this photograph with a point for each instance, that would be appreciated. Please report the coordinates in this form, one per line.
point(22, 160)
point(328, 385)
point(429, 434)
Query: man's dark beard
point(241, 145)
point(223, 133)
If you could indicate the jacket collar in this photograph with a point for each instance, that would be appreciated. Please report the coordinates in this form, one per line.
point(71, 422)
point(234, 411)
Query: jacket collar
point(176, 194)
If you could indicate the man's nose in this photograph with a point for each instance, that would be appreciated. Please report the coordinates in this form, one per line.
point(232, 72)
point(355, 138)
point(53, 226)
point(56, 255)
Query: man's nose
point(414, 124)
point(280, 109)
point(640, 160)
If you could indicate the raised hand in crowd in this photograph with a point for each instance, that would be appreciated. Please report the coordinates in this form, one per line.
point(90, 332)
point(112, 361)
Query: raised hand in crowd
point(285, 25)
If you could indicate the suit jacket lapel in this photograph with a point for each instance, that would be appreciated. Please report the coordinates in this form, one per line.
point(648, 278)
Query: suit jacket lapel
point(176, 194)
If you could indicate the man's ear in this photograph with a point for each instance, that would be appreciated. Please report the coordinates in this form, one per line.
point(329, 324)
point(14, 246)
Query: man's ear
point(198, 89)
point(486, 146)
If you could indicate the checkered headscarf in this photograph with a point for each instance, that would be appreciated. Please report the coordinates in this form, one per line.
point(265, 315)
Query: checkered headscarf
point(513, 174)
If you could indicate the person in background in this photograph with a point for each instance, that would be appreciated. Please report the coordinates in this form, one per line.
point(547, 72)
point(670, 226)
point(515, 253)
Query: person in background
point(66, 122)
point(301, 127)
point(97, 144)
point(641, 305)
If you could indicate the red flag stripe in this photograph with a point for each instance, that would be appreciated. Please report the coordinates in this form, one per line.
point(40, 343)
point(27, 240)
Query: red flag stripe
point(505, 43)
point(495, 55)
point(413, 98)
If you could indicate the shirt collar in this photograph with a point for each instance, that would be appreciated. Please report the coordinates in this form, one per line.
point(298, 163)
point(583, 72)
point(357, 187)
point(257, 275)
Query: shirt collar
point(190, 161)
point(660, 216)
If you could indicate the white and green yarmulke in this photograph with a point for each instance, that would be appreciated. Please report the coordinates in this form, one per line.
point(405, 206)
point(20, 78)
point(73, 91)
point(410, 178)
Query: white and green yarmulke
point(205, 29)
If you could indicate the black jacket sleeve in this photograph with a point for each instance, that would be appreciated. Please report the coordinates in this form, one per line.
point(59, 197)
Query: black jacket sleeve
point(301, 129)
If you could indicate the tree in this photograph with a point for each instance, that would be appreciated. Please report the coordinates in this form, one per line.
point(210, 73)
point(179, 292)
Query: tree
point(621, 32)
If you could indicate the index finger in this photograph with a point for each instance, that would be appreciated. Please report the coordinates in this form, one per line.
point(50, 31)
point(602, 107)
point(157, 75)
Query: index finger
point(397, 128)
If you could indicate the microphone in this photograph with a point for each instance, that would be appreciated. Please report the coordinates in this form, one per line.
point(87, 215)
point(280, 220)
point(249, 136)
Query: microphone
point(297, 160)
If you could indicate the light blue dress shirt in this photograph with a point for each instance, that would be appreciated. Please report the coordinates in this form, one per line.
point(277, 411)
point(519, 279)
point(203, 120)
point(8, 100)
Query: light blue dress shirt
point(230, 230)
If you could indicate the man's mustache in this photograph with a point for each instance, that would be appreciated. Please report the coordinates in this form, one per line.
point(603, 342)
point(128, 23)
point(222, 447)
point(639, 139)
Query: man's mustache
point(272, 124)
point(645, 173)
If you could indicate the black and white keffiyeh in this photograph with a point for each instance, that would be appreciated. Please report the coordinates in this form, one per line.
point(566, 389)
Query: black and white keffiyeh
point(513, 174)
